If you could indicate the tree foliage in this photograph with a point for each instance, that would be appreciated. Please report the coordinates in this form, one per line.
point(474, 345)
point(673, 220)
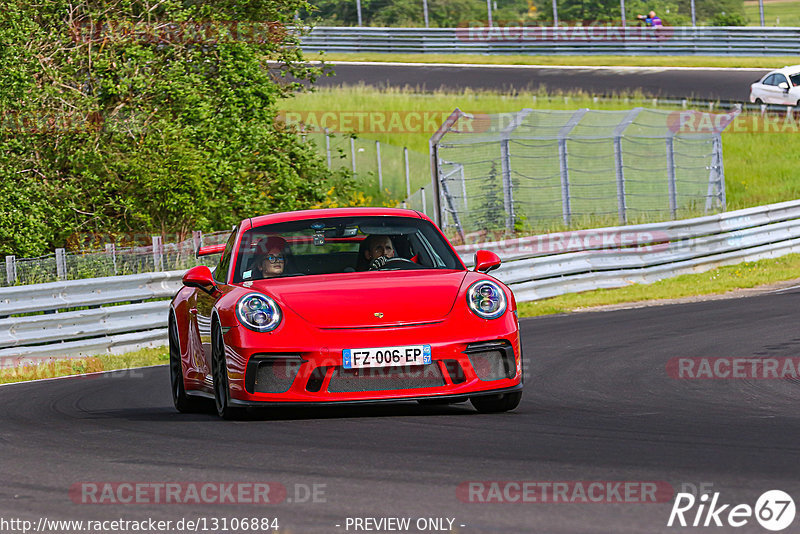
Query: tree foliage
point(121, 116)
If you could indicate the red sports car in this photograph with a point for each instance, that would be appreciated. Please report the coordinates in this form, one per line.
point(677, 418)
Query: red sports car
point(335, 306)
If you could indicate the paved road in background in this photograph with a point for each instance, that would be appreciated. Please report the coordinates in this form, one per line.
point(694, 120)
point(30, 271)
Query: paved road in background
point(598, 405)
point(706, 84)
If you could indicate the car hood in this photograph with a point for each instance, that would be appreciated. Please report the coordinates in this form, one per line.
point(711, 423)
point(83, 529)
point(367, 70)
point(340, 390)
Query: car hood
point(367, 299)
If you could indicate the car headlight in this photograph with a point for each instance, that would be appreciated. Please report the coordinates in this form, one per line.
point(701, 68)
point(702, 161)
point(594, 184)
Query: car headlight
point(486, 299)
point(258, 312)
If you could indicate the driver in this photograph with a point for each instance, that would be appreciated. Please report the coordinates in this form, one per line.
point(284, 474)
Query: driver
point(378, 249)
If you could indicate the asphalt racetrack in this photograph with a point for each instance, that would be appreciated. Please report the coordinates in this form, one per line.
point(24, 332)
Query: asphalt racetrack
point(697, 83)
point(599, 405)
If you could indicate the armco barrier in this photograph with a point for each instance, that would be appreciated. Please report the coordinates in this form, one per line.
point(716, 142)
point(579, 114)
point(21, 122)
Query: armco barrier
point(534, 267)
point(554, 264)
point(568, 39)
point(138, 320)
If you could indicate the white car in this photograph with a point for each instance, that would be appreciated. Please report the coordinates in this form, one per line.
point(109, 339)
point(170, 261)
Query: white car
point(780, 86)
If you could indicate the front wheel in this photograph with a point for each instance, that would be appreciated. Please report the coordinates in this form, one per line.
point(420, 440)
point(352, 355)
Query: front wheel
point(497, 403)
point(222, 392)
point(183, 402)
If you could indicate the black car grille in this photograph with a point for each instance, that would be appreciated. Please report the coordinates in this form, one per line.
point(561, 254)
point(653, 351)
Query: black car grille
point(385, 378)
point(492, 360)
point(272, 373)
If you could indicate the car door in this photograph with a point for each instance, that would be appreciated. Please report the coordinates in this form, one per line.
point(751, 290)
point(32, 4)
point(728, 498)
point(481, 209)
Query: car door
point(772, 93)
point(205, 303)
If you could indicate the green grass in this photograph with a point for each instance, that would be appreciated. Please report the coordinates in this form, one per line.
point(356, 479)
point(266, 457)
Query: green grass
point(780, 13)
point(717, 281)
point(59, 367)
point(622, 61)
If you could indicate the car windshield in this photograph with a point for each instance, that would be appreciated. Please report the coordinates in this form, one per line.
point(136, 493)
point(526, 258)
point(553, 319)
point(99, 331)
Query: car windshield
point(795, 78)
point(342, 245)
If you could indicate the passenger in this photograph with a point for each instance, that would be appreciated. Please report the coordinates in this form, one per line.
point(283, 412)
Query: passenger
point(271, 261)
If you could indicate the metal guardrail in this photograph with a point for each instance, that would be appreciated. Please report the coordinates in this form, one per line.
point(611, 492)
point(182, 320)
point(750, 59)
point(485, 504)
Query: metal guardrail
point(584, 40)
point(125, 313)
point(535, 267)
point(554, 264)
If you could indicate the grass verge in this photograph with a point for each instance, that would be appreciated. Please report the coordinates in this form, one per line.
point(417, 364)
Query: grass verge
point(591, 61)
point(54, 368)
point(717, 281)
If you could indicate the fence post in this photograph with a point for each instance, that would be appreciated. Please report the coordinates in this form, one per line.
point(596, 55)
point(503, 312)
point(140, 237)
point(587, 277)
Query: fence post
point(353, 153)
point(424, 204)
point(380, 169)
point(508, 194)
point(111, 250)
point(671, 182)
point(716, 175)
point(158, 254)
point(408, 173)
point(328, 146)
point(619, 130)
point(61, 264)
point(563, 167)
point(11, 270)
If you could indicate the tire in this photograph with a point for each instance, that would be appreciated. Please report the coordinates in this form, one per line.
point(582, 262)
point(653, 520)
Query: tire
point(497, 403)
point(222, 392)
point(759, 102)
point(183, 403)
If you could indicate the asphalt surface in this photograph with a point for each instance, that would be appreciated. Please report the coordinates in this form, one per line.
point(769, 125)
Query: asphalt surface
point(705, 84)
point(598, 406)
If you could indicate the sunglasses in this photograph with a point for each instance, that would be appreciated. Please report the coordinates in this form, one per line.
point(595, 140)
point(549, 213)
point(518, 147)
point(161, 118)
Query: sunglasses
point(275, 259)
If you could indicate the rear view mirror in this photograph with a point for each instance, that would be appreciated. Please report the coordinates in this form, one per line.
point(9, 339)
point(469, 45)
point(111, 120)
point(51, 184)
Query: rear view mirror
point(784, 86)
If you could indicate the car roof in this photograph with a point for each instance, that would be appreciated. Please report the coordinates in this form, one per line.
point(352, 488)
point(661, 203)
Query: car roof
point(330, 212)
point(789, 69)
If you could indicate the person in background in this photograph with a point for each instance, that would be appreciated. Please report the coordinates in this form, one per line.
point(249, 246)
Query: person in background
point(651, 19)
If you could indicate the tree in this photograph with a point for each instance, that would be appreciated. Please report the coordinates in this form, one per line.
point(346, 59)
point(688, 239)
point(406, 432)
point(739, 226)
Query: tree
point(138, 116)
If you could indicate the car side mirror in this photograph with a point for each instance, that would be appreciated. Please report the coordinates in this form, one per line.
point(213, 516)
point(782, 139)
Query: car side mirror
point(200, 277)
point(784, 86)
point(486, 260)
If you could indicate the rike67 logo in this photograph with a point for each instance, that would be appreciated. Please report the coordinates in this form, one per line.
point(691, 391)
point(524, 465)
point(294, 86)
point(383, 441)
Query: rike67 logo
point(774, 510)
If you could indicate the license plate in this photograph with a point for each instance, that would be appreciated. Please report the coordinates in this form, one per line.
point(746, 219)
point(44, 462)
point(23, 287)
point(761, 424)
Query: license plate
point(386, 356)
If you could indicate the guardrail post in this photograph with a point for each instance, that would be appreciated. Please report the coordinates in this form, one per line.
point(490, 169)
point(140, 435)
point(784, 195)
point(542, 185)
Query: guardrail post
point(61, 264)
point(671, 183)
point(424, 204)
point(11, 270)
point(353, 153)
point(111, 250)
point(158, 253)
